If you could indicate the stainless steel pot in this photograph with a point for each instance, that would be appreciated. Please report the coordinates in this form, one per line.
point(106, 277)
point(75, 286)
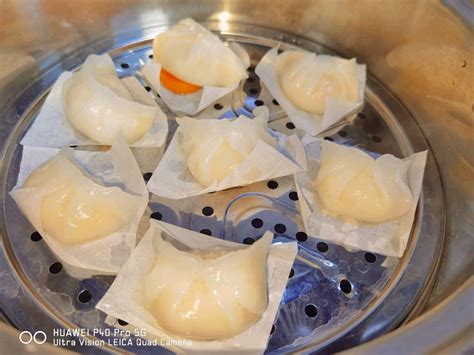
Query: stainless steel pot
point(419, 96)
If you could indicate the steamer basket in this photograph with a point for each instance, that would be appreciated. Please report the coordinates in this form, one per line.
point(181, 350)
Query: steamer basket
point(338, 300)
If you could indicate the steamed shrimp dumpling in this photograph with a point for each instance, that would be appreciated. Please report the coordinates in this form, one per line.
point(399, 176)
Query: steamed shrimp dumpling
point(196, 56)
point(75, 209)
point(99, 105)
point(308, 79)
point(214, 148)
point(353, 184)
point(208, 295)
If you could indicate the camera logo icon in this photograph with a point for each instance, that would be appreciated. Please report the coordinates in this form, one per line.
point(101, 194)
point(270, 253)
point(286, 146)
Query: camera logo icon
point(27, 337)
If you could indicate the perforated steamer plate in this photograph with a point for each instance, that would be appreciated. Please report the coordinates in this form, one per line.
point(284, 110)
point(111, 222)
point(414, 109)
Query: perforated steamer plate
point(343, 298)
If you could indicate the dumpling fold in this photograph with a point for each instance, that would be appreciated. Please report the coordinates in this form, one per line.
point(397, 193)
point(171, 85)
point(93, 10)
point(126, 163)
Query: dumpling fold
point(99, 105)
point(214, 148)
point(315, 90)
point(208, 294)
point(74, 209)
point(196, 56)
point(351, 183)
point(308, 79)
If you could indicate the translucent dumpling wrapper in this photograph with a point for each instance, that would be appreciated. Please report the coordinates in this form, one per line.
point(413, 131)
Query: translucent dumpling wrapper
point(208, 295)
point(194, 55)
point(187, 287)
point(353, 184)
point(214, 148)
point(209, 155)
point(75, 209)
point(92, 106)
point(86, 205)
point(99, 105)
point(350, 198)
point(308, 79)
point(315, 91)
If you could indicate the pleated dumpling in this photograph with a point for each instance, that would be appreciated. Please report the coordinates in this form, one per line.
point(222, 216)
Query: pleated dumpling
point(214, 148)
point(308, 79)
point(211, 294)
point(195, 56)
point(99, 105)
point(353, 184)
point(73, 208)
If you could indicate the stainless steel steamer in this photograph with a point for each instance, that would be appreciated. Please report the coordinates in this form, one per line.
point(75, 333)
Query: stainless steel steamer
point(346, 297)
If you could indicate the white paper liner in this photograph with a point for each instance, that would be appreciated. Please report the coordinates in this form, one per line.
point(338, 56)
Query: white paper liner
point(240, 52)
point(51, 128)
point(122, 299)
point(191, 104)
point(313, 124)
point(146, 158)
point(387, 238)
point(172, 178)
point(116, 167)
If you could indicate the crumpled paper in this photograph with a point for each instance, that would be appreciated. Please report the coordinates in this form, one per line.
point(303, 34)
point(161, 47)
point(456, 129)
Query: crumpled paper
point(388, 238)
point(190, 104)
point(51, 128)
point(122, 300)
point(116, 167)
point(172, 178)
point(311, 123)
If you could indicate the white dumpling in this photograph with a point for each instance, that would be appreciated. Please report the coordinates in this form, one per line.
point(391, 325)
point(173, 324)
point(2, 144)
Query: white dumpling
point(353, 184)
point(73, 208)
point(214, 148)
point(308, 79)
point(208, 295)
point(193, 54)
point(99, 105)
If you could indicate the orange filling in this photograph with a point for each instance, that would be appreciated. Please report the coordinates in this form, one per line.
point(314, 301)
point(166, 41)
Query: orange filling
point(176, 85)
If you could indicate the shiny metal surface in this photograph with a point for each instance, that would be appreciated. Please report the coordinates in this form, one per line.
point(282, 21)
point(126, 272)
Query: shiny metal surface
point(376, 128)
point(445, 329)
point(419, 50)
